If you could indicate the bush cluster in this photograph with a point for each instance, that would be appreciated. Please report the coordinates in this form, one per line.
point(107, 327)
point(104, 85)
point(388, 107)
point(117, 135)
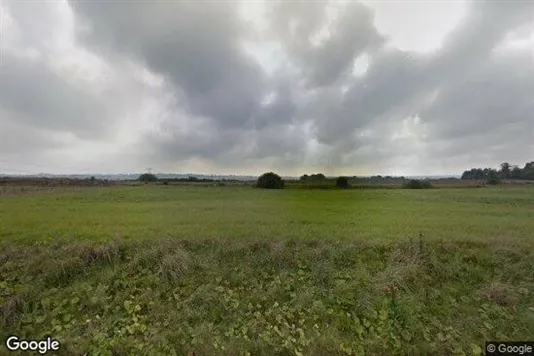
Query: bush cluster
point(417, 184)
point(270, 180)
point(342, 182)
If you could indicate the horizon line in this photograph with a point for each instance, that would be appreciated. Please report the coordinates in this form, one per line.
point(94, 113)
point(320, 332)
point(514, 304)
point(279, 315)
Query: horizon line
point(223, 175)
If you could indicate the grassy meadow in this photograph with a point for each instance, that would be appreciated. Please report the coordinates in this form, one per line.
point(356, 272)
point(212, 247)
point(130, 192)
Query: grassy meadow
point(177, 269)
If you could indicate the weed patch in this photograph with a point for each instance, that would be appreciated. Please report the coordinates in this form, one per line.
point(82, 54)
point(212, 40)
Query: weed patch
point(261, 297)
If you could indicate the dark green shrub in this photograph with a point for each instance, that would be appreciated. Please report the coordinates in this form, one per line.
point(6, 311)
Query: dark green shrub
point(417, 184)
point(342, 182)
point(148, 178)
point(493, 178)
point(312, 178)
point(270, 180)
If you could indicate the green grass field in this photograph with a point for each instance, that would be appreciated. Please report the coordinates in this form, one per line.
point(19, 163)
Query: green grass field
point(234, 270)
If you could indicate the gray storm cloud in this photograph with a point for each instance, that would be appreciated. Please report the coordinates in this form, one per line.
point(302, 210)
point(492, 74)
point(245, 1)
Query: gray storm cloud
point(39, 98)
point(218, 104)
point(196, 46)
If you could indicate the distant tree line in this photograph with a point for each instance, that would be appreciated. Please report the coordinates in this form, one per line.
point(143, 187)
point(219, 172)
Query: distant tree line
point(272, 180)
point(320, 177)
point(378, 179)
point(312, 177)
point(507, 171)
point(55, 181)
point(151, 178)
point(190, 179)
point(417, 184)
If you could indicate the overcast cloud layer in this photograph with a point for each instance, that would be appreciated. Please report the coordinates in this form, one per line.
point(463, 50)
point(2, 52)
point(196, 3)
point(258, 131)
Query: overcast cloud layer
point(246, 87)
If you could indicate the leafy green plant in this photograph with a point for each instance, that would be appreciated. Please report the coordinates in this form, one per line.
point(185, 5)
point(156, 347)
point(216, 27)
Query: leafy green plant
point(417, 184)
point(147, 178)
point(270, 180)
point(342, 182)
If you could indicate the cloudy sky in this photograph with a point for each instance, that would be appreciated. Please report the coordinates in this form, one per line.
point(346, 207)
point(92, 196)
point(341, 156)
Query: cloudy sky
point(220, 87)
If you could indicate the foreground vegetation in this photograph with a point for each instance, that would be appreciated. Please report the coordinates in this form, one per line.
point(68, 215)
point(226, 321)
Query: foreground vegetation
point(236, 270)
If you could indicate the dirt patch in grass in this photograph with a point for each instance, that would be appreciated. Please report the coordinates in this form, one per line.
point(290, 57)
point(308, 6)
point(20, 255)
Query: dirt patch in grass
point(500, 293)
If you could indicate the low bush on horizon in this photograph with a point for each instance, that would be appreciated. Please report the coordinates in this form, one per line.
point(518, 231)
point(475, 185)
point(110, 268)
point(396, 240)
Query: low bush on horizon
point(270, 180)
point(342, 182)
point(147, 178)
point(417, 184)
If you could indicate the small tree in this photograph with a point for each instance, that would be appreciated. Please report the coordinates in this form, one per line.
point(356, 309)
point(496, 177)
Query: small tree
point(342, 182)
point(493, 178)
point(147, 178)
point(270, 180)
point(505, 170)
point(528, 171)
point(515, 173)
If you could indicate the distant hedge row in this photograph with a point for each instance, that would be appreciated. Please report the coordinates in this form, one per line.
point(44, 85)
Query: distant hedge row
point(417, 184)
point(272, 180)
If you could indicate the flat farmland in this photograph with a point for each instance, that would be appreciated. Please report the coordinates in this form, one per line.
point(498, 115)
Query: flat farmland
point(243, 212)
point(234, 270)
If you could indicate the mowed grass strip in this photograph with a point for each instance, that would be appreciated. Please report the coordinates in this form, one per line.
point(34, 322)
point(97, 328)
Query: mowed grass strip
point(239, 271)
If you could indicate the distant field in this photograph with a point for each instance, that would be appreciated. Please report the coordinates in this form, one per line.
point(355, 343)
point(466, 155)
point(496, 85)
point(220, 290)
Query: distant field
point(155, 269)
point(244, 212)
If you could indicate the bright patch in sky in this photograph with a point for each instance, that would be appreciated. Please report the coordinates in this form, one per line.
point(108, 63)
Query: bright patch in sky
point(410, 129)
point(361, 64)
point(416, 25)
point(519, 39)
point(324, 33)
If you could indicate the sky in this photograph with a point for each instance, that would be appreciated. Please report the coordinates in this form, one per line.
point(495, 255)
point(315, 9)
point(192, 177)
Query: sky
point(229, 87)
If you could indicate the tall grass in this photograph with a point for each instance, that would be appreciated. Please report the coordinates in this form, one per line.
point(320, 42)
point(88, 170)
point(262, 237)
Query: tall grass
point(228, 297)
